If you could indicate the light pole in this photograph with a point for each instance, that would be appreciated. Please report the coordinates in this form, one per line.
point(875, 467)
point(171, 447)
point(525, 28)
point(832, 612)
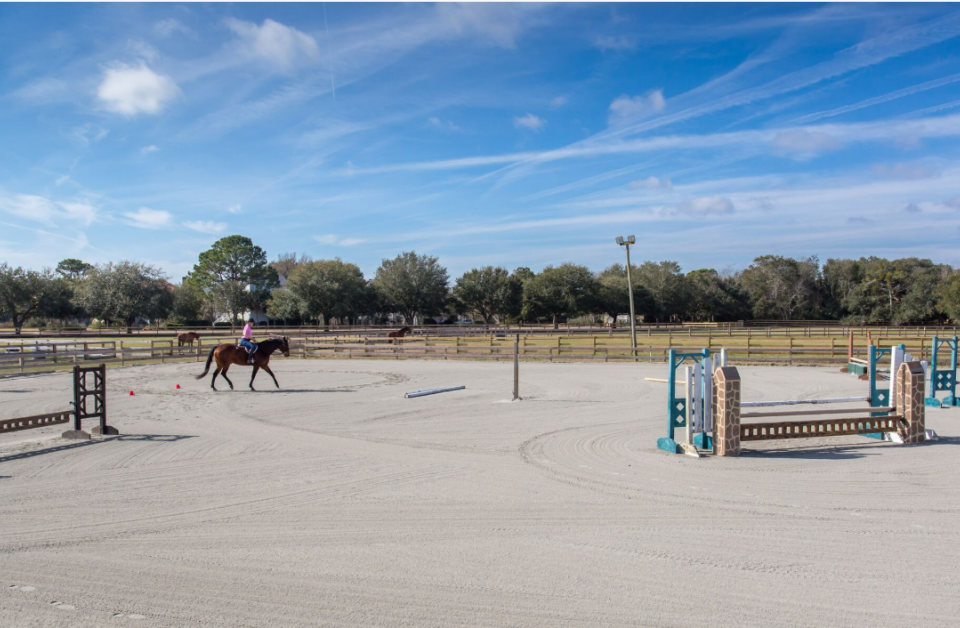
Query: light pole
point(633, 319)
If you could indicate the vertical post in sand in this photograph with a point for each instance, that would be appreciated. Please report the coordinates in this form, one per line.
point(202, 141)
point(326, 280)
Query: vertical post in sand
point(516, 368)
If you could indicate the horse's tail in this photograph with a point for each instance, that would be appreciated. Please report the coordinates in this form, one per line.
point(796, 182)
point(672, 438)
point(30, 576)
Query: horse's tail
point(206, 368)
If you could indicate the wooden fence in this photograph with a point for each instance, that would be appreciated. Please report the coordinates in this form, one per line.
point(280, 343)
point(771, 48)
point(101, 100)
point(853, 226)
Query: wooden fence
point(49, 356)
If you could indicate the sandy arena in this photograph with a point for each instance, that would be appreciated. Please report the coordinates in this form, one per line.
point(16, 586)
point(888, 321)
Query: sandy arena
point(337, 502)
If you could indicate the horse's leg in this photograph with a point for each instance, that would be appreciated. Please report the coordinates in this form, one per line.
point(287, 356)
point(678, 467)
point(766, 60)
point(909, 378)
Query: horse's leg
point(213, 380)
point(223, 374)
point(267, 369)
point(256, 367)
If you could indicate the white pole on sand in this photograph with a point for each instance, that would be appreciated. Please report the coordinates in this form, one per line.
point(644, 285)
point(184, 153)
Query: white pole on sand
point(516, 368)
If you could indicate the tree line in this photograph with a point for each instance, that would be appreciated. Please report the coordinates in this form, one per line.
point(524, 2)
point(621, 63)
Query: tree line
point(235, 276)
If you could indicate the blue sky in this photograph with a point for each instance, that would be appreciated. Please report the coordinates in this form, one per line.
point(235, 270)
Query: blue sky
point(483, 134)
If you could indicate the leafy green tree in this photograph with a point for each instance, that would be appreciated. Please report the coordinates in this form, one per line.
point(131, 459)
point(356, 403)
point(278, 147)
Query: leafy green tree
point(712, 297)
point(283, 304)
point(898, 291)
point(235, 274)
point(189, 301)
point(839, 279)
point(73, 269)
point(328, 288)
point(782, 287)
point(124, 292)
point(568, 289)
point(59, 301)
point(613, 294)
point(415, 285)
point(667, 287)
point(948, 297)
point(286, 263)
point(487, 292)
point(22, 293)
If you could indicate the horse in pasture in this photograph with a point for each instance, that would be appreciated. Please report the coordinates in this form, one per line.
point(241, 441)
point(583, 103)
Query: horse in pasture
point(399, 334)
point(227, 354)
point(187, 338)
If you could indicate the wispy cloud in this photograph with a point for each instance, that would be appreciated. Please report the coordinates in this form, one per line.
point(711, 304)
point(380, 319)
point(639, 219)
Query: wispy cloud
point(445, 125)
point(558, 101)
point(131, 90)
point(530, 122)
point(49, 212)
point(146, 218)
point(334, 240)
point(615, 42)
point(235, 209)
point(87, 133)
point(805, 144)
point(45, 90)
point(625, 107)
point(206, 226)
point(705, 206)
point(653, 183)
point(869, 102)
point(281, 47)
point(171, 26)
point(146, 150)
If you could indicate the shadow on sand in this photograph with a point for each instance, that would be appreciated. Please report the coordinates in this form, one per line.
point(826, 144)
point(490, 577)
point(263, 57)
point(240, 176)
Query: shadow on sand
point(286, 390)
point(838, 452)
point(158, 438)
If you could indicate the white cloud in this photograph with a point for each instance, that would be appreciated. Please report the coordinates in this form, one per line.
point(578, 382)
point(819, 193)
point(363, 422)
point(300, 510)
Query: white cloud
point(705, 206)
point(206, 226)
point(171, 26)
point(284, 47)
point(629, 107)
point(129, 90)
point(529, 121)
point(559, 101)
point(46, 211)
point(615, 42)
point(333, 240)
point(805, 144)
point(146, 150)
point(82, 212)
point(235, 209)
point(146, 218)
point(653, 183)
point(498, 23)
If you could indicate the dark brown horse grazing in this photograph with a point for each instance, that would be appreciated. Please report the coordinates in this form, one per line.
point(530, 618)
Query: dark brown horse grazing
point(227, 354)
point(399, 334)
point(187, 338)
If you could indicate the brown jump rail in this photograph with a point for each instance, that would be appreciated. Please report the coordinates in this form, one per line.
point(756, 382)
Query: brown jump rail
point(38, 420)
point(814, 428)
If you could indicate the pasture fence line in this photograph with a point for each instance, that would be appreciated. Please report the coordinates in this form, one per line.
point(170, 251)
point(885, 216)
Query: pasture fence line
point(43, 356)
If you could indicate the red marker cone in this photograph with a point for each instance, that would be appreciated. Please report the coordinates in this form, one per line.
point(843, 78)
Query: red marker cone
point(178, 386)
point(131, 393)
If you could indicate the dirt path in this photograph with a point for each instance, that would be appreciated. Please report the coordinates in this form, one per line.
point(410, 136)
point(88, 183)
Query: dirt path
point(337, 502)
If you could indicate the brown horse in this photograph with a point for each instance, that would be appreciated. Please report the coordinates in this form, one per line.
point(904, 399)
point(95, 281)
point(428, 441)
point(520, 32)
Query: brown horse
point(187, 338)
point(227, 354)
point(399, 334)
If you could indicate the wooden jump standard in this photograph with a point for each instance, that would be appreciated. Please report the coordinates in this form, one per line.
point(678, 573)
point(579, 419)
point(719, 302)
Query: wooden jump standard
point(903, 421)
point(89, 401)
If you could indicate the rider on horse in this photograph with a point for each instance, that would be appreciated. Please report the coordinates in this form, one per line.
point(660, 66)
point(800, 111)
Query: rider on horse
point(247, 340)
